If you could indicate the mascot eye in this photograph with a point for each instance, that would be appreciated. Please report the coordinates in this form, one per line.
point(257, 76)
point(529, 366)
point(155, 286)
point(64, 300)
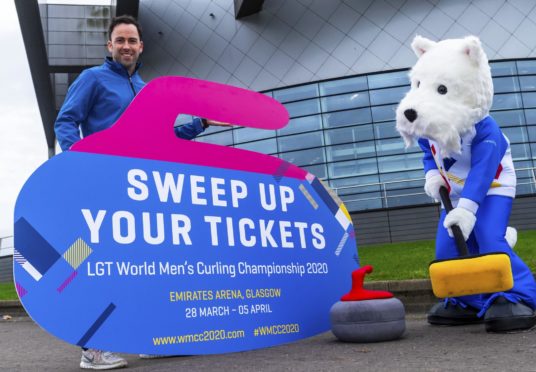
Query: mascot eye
point(418, 83)
point(442, 89)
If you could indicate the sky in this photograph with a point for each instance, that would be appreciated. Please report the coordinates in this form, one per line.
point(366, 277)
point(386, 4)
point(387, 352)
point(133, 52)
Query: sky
point(23, 146)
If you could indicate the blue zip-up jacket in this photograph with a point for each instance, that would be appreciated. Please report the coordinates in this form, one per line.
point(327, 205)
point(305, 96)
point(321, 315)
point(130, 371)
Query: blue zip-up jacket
point(97, 98)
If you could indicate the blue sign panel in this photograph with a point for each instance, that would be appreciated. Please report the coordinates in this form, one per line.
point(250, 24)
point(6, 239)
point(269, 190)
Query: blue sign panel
point(141, 255)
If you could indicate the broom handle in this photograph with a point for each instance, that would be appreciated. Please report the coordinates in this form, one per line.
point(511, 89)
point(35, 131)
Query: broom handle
point(458, 236)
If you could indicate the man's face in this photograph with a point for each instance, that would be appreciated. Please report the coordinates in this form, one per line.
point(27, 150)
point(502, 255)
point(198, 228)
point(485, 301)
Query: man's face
point(125, 45)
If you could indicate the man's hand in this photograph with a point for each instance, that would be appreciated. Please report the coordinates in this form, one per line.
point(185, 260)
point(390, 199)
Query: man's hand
point(217, 123)
point(461, 217)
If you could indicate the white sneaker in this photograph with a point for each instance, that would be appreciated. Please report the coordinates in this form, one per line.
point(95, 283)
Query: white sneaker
point(97, 359)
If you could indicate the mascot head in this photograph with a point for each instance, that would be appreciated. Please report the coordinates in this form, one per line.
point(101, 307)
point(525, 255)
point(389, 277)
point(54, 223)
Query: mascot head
point(451, 90)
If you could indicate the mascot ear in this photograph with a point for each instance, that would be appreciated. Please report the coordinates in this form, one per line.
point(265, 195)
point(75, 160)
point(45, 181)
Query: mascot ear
point(421, 45)
point(473, 49)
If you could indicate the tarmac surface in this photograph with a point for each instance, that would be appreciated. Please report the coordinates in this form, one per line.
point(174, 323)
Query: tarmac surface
point(26, 347)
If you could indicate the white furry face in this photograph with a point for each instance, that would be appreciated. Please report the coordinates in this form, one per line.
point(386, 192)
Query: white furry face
point(451, 90)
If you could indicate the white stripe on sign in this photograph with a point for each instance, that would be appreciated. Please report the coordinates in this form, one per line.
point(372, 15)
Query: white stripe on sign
point(343, 220)
point(32, 271)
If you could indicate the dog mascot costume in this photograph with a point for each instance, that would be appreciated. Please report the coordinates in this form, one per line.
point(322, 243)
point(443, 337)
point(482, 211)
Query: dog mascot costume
point(447, 112)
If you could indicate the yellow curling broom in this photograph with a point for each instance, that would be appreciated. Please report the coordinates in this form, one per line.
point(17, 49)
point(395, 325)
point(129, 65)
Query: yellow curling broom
point(467, 275)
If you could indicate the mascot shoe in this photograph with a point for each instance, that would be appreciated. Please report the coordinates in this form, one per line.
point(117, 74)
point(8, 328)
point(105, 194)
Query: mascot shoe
point(451, 313)
point(504, 316)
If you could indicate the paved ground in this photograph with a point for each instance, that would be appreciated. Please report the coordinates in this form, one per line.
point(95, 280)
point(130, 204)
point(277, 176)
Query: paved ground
point(25, 347)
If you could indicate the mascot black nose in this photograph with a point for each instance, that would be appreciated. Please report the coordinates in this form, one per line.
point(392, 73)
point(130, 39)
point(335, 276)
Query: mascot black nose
point(410, 114)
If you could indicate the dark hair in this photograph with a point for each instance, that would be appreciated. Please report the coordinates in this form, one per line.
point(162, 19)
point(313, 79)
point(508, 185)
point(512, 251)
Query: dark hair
point(123, 19)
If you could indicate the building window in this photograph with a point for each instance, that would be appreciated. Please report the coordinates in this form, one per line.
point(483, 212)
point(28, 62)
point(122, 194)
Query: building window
point(343, 131)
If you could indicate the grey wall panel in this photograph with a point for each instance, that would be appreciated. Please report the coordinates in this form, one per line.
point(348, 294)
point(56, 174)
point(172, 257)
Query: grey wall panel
point(523, 215)
point(6, 269)
point(371, 228)
point(396, 225)
point(412, 224)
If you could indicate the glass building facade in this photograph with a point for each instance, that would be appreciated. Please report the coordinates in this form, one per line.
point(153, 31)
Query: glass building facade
point(75, 36)
point(343, 131)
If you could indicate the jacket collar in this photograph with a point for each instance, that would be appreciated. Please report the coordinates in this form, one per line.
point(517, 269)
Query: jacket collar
point(119, 68)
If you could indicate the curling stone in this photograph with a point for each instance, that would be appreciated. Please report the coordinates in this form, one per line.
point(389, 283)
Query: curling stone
point(367, 316)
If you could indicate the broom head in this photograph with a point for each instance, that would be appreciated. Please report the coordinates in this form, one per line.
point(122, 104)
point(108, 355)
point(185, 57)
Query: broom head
point(469, 275)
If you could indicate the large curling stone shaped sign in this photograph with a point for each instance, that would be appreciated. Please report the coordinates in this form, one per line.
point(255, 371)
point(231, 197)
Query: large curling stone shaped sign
point(137, 241)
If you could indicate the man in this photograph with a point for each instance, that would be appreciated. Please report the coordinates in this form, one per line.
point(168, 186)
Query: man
point(94, 102)
point(100, 94)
